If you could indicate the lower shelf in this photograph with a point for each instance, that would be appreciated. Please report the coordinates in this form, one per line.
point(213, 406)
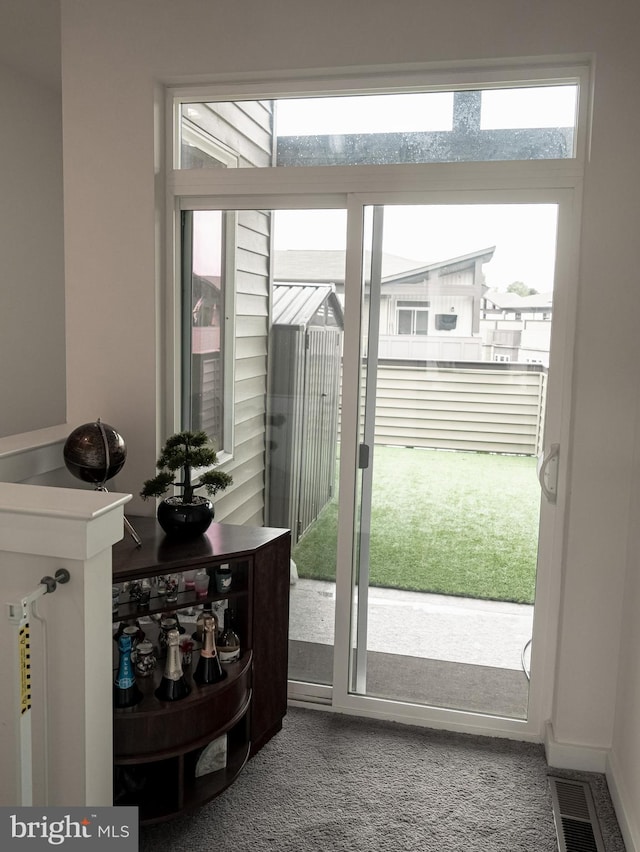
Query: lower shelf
point(152, 787)
point(163, 789)
point(198, 790)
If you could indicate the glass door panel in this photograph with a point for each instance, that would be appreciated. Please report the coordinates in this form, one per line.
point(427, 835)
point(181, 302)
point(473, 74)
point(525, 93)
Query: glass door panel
point(456, 329)
point(303, 448)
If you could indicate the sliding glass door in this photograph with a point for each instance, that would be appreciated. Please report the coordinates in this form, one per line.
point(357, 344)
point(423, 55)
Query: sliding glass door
point(455, 354)
point(303, 451)
point(386, 396)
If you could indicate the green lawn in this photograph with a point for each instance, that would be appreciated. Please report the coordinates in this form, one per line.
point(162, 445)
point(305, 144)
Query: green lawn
point(448, 522)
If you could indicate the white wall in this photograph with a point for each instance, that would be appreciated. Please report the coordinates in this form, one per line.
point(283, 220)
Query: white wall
point(625, 756)
point(32, 344)
point(114, 56)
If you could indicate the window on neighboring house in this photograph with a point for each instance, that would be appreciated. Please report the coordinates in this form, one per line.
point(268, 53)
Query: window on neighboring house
point(412, 317)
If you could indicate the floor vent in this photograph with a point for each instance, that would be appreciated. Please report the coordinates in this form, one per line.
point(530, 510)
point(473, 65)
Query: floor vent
point(575, 816)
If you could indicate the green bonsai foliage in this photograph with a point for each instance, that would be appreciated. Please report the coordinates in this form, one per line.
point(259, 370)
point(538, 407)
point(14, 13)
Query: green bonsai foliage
point(183, 452)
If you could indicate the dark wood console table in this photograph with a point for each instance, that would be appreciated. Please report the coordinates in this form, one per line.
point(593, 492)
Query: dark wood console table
point(158, 745)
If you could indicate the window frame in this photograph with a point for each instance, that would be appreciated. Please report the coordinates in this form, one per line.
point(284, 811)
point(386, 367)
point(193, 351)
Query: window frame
point(530, 73)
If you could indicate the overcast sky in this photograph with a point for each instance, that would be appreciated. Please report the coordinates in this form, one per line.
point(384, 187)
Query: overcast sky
point(524, 236)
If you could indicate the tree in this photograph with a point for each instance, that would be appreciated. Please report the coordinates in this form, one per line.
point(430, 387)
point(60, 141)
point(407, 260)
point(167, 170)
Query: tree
point(521, 289)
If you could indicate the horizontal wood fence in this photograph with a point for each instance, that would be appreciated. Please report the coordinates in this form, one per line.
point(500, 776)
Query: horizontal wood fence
point(472, 406)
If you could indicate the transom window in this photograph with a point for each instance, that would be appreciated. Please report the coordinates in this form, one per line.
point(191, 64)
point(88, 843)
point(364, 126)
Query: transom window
point(523, 123)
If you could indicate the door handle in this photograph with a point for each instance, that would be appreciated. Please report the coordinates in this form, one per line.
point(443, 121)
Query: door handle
point(548, 472)
point(363, 456)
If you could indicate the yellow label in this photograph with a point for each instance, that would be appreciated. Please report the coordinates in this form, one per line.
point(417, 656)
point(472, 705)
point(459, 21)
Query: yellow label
point(25, 669)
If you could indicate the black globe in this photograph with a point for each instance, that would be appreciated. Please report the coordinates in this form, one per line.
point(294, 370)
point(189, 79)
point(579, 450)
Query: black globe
point(95, 452)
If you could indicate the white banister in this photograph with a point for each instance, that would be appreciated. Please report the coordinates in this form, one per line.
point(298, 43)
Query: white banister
point(44, 530)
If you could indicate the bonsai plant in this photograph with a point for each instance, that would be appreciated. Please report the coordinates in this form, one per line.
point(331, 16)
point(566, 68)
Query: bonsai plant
point(188, 513)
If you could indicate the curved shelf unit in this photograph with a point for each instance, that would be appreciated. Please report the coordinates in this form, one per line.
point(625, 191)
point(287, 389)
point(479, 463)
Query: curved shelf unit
point(172, 756)
point(154, 729)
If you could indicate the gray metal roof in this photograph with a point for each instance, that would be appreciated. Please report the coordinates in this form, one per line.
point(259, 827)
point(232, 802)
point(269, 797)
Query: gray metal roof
point(512, 301)
point(297, 304)
point(328, 265)
point(452, 264)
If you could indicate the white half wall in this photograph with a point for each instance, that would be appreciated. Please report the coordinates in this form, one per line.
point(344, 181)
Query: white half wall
point(44, 529)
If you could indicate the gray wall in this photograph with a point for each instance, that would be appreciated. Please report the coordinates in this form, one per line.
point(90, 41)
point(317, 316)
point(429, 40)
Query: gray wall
point(32, 303)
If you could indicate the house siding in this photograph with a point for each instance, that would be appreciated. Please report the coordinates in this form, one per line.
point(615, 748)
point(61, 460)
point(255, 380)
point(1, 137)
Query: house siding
point(473, 409)
point(247, 131)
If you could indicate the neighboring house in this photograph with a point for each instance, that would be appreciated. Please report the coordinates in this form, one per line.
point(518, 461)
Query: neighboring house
point(516, 328)
point(427, 311)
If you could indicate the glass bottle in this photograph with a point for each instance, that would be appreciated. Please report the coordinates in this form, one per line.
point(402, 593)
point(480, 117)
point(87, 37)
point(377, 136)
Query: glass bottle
point(145, 661)
point(125, 689)
point(140, 634)
point(168, 621)
point(132, 632)
point(166, 625)
point(172, 613)
point(197, 635)
point(224, 578)
point(173, 685)
point(229, 641)
point(208, 669)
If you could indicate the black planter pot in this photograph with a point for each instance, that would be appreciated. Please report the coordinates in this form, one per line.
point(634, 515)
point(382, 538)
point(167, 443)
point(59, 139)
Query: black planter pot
point(185, 520)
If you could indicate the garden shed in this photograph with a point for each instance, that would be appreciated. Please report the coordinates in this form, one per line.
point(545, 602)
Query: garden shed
point(306, 350)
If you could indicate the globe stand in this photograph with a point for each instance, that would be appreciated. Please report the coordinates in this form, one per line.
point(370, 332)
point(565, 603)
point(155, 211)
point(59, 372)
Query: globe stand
point(96, 452)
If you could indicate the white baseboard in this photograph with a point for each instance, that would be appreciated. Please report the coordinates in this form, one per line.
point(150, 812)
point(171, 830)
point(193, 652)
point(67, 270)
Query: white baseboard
point(573, 756)
point(628, 817)
point(585, 759)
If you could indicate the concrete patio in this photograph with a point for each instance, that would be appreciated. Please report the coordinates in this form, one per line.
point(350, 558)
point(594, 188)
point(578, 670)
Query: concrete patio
point(458, 652)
